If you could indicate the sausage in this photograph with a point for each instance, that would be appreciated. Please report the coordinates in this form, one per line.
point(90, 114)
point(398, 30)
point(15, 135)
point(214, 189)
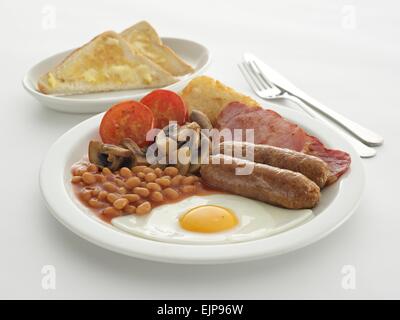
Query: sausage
point(312, 167)
point(269, 184)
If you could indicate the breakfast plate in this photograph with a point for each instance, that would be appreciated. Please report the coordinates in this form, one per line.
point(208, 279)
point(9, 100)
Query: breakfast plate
point(192, 52)
point(337, 204)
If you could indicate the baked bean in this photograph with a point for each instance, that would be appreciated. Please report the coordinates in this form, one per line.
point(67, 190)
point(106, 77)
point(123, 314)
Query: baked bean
point(132, 197)
point(143, 184)
point(150, 177)
point(148, 170)
point(79, 171)
point(96, 191)
point(120, 182)
point(130, 209)
point(138, 169)
point(120, 203)
point(110, 187)
point(125, 172)
point(110, 177)
point(188, 189)
point(85, 194)
point(76, 179)
point(139, 202)
point(175, 181)
point(106, 171)
point(122, 190)
point(102, 195)
point(112, 197)
point(143, 192)
point(158, 172)
point(188, 180)
point(88, 178)
point(111, 211)
point(144, 208)
point(133, 182)
point(171, 193)
point(153, 186)
point(163, 182)
point(156, 196)
point(171, 171)
point(141, 175)
point(95, 203)
point(92, 168)
point(100, 178)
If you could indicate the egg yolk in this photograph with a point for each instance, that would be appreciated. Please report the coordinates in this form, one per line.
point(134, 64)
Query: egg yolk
point(208, 219)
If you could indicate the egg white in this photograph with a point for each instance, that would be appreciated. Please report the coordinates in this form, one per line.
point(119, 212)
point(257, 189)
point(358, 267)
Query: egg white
point(256, 220)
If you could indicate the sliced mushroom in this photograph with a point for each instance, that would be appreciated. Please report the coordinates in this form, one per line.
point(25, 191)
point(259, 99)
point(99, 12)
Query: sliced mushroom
point(108, 155)
point(95, 154)
point(139, 158)
point(116, 162)
point(195, 165)
point(116, 150)
point(183, 164)
point(201, 118)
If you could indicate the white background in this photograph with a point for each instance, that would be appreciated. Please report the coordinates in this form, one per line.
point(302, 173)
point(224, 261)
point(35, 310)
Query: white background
point(354, 68)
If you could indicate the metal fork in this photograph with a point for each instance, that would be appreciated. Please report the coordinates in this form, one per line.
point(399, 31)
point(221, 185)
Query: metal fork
point(266, 90)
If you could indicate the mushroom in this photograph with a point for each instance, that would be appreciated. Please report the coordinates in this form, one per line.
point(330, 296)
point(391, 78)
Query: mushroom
point(139, 156)
point(201, 118)
point(108, 155)
point(195, 167)
point(183, 166)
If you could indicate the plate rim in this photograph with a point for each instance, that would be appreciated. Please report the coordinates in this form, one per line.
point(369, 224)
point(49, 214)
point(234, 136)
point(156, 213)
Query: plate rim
point(44, 98)
point(53, 189)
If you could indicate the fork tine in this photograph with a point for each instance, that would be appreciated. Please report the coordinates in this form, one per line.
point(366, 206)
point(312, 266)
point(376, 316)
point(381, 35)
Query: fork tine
point(251, 74)
point(257, 72)
point(248, 77)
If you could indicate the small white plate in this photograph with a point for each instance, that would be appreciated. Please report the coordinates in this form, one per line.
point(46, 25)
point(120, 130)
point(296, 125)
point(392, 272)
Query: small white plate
point(192, 52)
point(337, 204)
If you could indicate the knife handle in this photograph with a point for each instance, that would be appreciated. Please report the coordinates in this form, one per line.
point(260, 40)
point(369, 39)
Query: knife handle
point(367, 136)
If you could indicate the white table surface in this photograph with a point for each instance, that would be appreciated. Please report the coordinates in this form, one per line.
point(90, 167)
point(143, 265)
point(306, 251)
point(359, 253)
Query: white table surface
point(351, 65)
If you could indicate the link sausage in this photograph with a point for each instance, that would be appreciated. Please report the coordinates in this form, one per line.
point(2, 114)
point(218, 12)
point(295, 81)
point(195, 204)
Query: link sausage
point(312, 167)
point(269, 184)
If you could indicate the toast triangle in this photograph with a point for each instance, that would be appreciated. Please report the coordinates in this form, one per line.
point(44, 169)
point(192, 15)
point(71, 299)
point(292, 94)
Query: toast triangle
point(106, 63)
point(144, 39)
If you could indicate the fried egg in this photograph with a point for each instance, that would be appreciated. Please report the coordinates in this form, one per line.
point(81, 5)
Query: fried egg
point(212, 219)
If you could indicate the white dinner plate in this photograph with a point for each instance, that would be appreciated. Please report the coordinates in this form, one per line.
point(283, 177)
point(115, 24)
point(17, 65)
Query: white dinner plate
point(337, 204)
point(192, 52)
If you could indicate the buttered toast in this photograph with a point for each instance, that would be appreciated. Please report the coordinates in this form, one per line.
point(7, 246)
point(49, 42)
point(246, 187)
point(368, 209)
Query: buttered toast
point(107, 63)
point(145, 40)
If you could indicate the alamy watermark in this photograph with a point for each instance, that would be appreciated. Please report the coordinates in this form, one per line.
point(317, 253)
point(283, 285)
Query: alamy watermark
point(49, 17)
point(48, 277)
point(349, 17)
point(348, 281)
